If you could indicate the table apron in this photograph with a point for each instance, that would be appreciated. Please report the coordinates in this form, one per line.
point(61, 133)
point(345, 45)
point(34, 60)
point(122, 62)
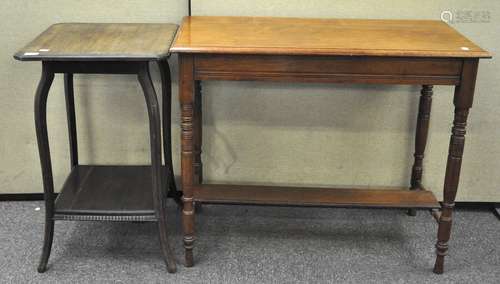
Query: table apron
point(96, 67)
point(328, 69)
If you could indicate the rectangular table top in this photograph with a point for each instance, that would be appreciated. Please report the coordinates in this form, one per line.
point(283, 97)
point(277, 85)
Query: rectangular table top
point(297, 36)
point(98, 41)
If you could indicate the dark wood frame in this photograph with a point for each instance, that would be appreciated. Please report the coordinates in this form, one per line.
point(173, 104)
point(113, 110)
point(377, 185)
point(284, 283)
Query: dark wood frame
point(196, 67)
point(112, 208)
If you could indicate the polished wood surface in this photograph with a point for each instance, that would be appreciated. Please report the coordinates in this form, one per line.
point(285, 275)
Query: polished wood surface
point(330, 197)
point(296, 36)
point(423, 53)
point(96, 41)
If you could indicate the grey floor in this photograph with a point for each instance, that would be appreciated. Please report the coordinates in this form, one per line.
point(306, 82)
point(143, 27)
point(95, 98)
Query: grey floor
point(254, 245)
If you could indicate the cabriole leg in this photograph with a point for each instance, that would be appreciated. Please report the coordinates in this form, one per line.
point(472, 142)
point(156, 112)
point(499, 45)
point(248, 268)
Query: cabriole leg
point(42, 93)
point(159, 192)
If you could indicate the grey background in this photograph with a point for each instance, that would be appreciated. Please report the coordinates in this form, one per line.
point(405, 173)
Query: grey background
point(266, 133)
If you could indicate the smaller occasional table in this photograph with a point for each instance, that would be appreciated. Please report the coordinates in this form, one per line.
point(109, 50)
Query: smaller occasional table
point(106, 193)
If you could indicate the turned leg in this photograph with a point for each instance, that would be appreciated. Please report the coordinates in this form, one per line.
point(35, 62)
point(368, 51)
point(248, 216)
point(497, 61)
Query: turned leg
point(159, 192)
point(464, 94)
point(42, 93)
point(71, 117)
point(166, 86)
point(188, 117)
point(424, 112)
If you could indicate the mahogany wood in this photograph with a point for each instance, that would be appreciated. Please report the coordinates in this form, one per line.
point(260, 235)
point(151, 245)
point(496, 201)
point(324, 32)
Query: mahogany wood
point(331, 51)
point(464, 95)
point(298, 36)
point(424, 112)
point(329, 197)
point(187, 101)
point(328, 69)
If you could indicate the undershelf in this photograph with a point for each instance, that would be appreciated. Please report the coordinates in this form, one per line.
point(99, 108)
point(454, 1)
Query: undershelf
point(333, 197)
point(107, 193)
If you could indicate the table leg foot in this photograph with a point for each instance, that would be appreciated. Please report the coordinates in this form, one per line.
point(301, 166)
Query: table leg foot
point(47, 246)
point(167, 252)
point(189, 258)
point(438, 266)
point(188, 250)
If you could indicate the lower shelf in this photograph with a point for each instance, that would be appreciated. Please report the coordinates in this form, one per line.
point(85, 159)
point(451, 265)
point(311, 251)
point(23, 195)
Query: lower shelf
point(334, 197)
point(107, 193)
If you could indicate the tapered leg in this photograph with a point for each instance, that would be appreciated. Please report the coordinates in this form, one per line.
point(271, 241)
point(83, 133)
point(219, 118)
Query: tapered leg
point(166, 86)
point(450, 187)
point(463, 101)
point(159, 192)
point(70, 112)
point(42, 93)
point(186, 96)
point(424, 112)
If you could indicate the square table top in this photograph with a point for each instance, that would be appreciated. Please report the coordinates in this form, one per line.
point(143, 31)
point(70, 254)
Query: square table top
point(99, 41)
point(343, 37)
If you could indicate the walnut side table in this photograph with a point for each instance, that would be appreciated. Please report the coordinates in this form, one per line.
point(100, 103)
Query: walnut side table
point(106, 193)
point(411, 52)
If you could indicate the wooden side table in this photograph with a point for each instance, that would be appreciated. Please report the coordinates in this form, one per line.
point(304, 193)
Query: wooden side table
point(106, 193)
point(423, 53)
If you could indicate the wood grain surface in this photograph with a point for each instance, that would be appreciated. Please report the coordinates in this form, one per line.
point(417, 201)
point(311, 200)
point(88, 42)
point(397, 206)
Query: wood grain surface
point(271, 35)
point(331, 197)
point(97, 41)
